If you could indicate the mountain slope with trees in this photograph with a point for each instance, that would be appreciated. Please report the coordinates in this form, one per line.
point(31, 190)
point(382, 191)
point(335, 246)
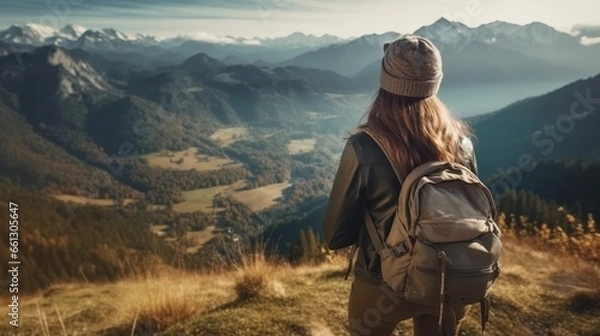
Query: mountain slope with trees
point(559, 124)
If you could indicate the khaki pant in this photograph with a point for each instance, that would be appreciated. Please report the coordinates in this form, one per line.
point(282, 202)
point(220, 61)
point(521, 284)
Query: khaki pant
point(375, 311)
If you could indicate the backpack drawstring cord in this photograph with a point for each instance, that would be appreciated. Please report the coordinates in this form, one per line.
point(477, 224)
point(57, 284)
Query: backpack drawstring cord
point(442, 256)
point(350, 260)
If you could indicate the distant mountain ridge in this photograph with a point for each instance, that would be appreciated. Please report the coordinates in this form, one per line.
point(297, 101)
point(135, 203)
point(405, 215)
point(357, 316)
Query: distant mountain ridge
point(78, 37)
point(66, 97)
point(493, 52)
point(60, 102)
point(346, 56)
point(86, 100)
point(147, 50)
point(562, 124)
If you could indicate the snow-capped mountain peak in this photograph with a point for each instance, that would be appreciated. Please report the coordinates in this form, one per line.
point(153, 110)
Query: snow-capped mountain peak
point(69, 36)
point(534, 33)
point(114, 34)
point(73, 30)
point(455, 34)
point(292, 41)
point(31, 33)
point(111, 39)
point(445, 31)
point(39, 30)
point(301, 40)
point(377, 40)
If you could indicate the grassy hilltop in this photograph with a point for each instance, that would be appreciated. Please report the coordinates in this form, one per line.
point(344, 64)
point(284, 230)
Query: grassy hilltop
point(539, 293)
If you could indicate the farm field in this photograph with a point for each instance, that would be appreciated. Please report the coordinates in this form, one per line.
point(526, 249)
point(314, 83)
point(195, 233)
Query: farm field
point(260, 198)
point(202, 199)
point(301, 146)
point(255, 199)
point(197, 238)
point(159, 230)
point(226, 136)
point(187, 160)
point(90, 201)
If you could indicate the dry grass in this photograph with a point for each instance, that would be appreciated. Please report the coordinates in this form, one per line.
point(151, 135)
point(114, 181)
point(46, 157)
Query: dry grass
point(539, 292)
point(159, 230)
point(90, 201)
point(260, 198)
point(301, 146)
point(154, 304)
point(188, 159)
point(203, 199)
point(257, 277)
point(226, 136)
point(533, 295)
point(197, 239)
point(255, 199)
point(582, 243)
point(158, 307)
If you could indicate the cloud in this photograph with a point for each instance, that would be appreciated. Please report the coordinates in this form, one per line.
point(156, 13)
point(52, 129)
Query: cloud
point(57, 13)
point(590, 40)
point(586, 30)
point(207, 37)
point(280, 17)
point(159, 7)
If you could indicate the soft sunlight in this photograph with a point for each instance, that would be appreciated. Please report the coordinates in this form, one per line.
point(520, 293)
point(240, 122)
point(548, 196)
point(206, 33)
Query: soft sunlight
point(210, 167)
point(272, 18)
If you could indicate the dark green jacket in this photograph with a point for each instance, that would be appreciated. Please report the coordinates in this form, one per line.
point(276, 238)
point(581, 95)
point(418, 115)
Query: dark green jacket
point(365, 176)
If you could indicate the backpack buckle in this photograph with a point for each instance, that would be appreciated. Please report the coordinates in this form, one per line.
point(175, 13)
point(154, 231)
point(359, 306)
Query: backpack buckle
point(399, 250)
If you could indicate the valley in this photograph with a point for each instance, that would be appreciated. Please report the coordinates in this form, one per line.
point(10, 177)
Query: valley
point(301, 146)
point(90, 201)
point(227, 136)
point(135, 157)
point(204, 199)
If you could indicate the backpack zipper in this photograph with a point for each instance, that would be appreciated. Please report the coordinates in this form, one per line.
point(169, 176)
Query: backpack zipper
point(464, 271)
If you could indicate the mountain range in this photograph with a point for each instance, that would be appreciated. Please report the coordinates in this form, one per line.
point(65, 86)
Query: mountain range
point(512, 61)
point(559, 124)
point(110, 40)
point(507, 51)
point(75, 91)
point(191, 137)
point(66, 101)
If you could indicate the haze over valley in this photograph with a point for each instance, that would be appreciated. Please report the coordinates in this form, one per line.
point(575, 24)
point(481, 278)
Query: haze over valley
point(174, 152)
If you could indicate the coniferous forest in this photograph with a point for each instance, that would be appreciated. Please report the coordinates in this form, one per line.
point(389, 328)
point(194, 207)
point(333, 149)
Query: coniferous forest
point(123, 164)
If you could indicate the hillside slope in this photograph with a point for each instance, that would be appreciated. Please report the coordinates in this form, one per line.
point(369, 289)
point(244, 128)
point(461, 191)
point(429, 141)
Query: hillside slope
point(33, 161)
point(560, 124)
point(532, 297)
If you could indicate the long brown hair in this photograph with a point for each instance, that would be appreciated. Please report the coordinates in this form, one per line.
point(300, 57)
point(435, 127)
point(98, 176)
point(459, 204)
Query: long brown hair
point(415, 130)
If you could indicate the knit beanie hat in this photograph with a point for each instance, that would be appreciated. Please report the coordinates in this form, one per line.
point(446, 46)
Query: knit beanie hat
point(412, 67)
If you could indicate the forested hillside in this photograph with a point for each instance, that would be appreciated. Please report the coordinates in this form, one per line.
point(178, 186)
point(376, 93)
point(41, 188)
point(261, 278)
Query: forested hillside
point(576, 189)
point(66, 243)
point(126, 157)
point(559, 124)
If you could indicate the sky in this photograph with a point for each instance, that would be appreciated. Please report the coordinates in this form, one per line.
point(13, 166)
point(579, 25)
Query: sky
point(271, 18)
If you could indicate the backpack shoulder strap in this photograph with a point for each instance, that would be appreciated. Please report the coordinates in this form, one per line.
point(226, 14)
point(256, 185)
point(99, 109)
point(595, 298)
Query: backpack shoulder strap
point(378, 242)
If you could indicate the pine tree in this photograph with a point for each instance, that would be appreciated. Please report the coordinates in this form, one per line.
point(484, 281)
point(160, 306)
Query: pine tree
point(314, 250)
point(303, 247)
point(577, 211)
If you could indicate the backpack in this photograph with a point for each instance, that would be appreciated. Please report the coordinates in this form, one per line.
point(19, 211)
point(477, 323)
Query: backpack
point(444, 244)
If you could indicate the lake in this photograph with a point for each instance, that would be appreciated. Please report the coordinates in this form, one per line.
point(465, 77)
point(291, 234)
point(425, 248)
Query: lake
point(470, 101)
